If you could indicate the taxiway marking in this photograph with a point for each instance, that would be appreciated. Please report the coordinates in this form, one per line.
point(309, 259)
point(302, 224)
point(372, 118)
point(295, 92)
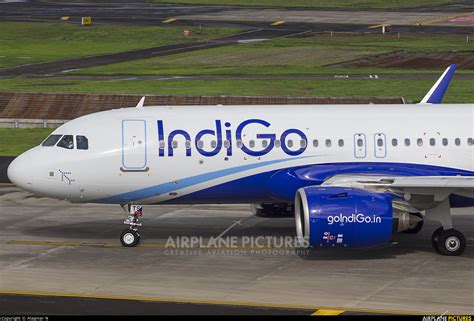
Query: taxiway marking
point(328, 312)
point(212, 302)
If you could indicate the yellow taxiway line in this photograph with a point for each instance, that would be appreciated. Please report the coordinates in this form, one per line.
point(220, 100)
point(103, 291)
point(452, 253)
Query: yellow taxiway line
point(61, 243)
point(379, 26)
point(328, 312)
point(169, 20)
point(321, 310)
point(141, 245)
point(277, 23)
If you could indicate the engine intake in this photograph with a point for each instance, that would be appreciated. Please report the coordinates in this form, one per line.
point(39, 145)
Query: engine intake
point(346, 217)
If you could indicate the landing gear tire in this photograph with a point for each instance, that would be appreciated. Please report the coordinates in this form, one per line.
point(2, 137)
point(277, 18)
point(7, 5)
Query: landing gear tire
point(129, 238)
point(434, 238)
point(272, 210)
point(257, 210)
point(416, 227)
point(451, 242)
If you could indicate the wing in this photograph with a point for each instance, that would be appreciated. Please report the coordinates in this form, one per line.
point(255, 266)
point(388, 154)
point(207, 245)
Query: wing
point(421, 192)
point(419, 186)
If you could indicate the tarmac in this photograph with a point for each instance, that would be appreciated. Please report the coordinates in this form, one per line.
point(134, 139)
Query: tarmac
point(447, 16)
point(63, 258)
point(257, 24)
point(67, 65)
point(58, 257)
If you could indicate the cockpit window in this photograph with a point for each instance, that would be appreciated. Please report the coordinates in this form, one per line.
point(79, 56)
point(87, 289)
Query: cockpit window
point(66, 142)
point(82, 142)
point(51, 140)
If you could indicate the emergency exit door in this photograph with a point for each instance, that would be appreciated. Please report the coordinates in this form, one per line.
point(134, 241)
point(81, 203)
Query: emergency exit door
point(380, 143)
point(360, 146)
point(134, 145)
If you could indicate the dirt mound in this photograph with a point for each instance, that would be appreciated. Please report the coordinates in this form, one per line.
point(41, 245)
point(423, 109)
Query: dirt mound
point(414, 60)
point(70, 106)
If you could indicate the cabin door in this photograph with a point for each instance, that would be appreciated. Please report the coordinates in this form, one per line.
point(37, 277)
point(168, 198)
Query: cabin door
point(134, 145)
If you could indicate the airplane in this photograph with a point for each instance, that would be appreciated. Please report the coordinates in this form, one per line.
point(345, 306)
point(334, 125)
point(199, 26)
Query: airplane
point(353, 176)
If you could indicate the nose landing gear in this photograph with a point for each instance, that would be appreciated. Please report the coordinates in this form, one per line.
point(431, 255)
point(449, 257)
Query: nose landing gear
point(130, 236)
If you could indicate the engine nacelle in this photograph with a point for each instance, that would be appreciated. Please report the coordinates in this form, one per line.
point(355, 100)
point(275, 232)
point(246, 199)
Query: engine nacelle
point(343, 217)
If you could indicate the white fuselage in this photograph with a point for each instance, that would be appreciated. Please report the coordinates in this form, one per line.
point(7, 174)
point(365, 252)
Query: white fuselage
point(129, 149)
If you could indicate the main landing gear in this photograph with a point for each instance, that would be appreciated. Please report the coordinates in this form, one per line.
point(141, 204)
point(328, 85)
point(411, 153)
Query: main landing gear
point(273, 210)
point(446, 240)
point(130, 236)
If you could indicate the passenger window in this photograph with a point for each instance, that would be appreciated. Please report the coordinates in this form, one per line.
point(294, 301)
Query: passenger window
point(252, 143)
point(162, 144)
point(380, 142)
point(315, 143)
point(277, 143)
point(290, 143)
point(457, 142)
point(213, 144)
point(226, 144)
point(303, 143)
point(445, 142)
point(328, 143)
point(174, 144)
point(66, 142)
point(341, 143)
point(360, 143)
point(264, 143)
point(239, 144)
point(407, 142)
point(394, 142)
point(187, 144)
point(419, 142)
point(432, 142)
point(82, 142)
point(51, 140)
point(200, 144)
point(470, 141)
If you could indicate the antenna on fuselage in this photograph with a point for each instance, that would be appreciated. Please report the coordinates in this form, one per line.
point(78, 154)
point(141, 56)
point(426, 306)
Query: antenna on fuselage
point(141, 102)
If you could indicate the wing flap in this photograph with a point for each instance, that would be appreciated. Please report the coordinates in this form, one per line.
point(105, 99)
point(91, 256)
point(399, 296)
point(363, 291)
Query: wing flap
point(434, 182)
point(451, 182)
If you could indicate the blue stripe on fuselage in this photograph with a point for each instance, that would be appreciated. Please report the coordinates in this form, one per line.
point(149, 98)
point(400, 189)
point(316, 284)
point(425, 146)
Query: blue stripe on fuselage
point(461, 201)
point(185, 182)
point(277, 185)
point(281, 185)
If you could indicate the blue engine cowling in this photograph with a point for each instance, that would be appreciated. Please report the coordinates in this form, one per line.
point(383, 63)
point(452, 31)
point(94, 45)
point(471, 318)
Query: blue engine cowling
point(342, 217)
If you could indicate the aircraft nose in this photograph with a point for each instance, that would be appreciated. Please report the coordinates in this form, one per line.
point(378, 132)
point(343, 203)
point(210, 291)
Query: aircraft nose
point(18, 172)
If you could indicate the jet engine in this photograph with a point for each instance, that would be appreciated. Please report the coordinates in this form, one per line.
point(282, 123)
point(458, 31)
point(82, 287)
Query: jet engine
point(348, 217)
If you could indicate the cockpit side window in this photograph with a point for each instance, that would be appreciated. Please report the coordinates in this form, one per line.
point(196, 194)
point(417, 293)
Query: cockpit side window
point(51, 140)
point(82, 142)
point(66, 142)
